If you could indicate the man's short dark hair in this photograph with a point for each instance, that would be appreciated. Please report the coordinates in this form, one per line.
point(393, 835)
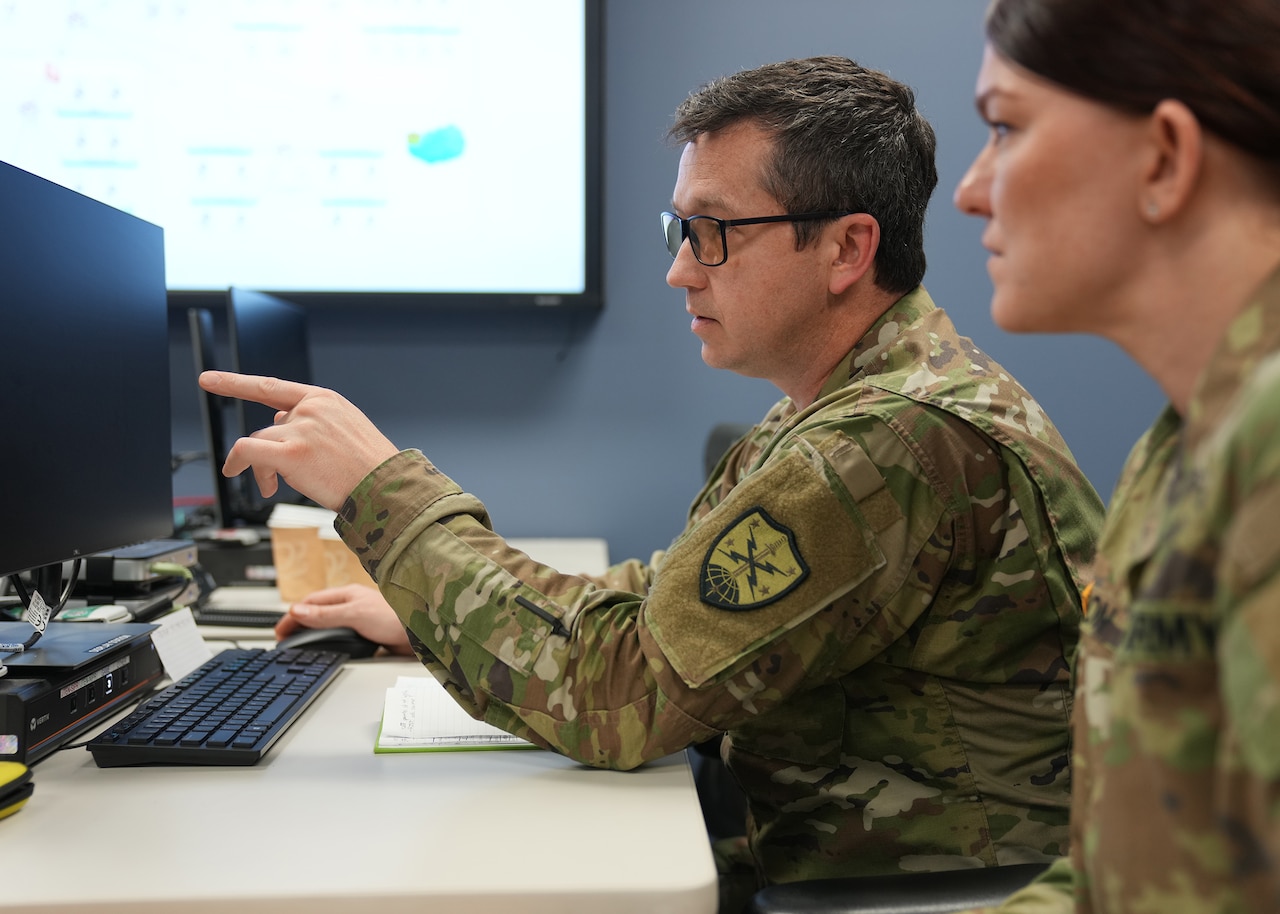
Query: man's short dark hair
point(847, 139)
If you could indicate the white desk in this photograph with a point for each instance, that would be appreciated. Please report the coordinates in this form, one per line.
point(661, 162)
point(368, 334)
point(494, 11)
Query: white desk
point(322, 825)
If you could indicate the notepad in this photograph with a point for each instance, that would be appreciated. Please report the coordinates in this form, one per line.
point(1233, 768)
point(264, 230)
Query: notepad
point(418, 715)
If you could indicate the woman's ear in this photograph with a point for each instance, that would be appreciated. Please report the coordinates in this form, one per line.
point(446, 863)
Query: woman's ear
point(1175, 162)
point(857, 241)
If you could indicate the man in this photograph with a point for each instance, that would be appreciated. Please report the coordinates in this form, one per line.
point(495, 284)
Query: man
point(876, 595)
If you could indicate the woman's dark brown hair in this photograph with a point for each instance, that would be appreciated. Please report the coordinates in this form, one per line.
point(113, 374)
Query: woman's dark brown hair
point(1221, 58)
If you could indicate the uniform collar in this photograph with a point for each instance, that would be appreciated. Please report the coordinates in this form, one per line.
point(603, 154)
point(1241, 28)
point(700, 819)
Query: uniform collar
point(1252, 335)
point(863, 358)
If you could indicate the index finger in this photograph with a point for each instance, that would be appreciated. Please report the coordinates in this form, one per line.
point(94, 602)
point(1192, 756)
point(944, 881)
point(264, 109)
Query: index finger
point(272, 392)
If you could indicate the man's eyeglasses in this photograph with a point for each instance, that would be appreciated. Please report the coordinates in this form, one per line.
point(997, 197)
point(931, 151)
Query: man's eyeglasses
point(706, 233)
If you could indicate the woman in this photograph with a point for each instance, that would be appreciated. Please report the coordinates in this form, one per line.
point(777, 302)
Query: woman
point(1131, 189)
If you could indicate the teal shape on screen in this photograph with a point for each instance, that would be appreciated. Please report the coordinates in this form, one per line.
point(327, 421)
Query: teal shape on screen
point(437, 145)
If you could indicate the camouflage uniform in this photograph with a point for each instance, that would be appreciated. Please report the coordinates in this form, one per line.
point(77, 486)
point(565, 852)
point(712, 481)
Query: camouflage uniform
point(1177, 720)
point(875, 597)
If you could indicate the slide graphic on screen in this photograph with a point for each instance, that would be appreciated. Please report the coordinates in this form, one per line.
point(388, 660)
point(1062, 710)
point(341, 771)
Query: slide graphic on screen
point(439, 145)
point(311, 146)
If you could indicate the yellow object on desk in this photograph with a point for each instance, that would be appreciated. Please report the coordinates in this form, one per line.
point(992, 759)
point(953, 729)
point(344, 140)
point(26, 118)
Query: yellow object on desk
point(15, 787)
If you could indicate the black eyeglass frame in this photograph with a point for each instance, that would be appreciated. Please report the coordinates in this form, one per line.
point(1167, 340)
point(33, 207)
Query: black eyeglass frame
point(668, 218)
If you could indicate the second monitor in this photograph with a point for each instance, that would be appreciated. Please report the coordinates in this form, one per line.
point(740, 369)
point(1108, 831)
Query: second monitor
point(266, 335)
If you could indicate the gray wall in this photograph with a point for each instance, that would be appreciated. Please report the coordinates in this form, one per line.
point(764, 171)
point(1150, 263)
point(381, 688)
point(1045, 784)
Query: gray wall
point(594, 425)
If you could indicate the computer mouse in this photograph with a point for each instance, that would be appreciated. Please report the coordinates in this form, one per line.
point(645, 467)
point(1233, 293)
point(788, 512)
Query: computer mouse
point(345, 640)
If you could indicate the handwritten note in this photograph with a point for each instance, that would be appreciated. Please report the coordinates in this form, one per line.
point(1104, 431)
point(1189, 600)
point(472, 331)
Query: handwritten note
point(418, 715)
point(179, 643)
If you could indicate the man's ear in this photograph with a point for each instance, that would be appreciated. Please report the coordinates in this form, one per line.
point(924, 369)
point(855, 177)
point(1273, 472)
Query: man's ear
point(857, 238)
point(1175, 161)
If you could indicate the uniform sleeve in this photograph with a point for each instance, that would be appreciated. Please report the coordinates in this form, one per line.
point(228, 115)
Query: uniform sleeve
point(631, 575)
point(1248, 595)
point(1251, 696)
point(609, 673)
point(1249, 661)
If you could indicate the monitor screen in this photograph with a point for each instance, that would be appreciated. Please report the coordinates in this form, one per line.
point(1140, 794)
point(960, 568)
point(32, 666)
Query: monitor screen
point(375, 150)
point(213, 417)
point(265, 335)
point(84, 379)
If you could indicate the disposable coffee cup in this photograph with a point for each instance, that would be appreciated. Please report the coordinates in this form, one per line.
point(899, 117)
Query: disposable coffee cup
point(297, 551)
point(341, 566)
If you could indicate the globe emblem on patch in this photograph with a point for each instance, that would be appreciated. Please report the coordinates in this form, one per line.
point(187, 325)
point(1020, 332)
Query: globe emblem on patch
point(753, 563)
point(722, 584)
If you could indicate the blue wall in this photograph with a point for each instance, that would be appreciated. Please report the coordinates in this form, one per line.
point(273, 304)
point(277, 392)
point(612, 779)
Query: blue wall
point(594, 424)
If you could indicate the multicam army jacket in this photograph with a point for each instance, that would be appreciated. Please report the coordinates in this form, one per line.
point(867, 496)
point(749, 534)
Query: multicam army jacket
point(1177, 712)
point(875, 597)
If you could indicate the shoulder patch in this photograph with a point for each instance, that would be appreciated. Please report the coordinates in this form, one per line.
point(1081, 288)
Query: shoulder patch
point(753, 563)
point(693, 609)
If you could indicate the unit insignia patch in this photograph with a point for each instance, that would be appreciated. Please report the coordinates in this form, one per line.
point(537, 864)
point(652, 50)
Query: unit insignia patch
point(753, 563)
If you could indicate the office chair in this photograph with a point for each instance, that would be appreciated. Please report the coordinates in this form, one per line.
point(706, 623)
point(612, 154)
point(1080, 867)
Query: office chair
point(718, 441)
point(915, 893)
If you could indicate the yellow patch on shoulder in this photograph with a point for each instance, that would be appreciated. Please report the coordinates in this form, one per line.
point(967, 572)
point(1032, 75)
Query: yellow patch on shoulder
point(782, 545)
point(754, 563)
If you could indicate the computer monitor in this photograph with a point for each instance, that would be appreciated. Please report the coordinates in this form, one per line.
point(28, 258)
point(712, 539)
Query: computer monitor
point(213, 418)
point(84, 378)
point(352, 151)
point(266, 335)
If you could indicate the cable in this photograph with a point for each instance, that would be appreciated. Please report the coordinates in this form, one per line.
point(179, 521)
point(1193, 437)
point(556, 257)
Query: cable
point(26, 597)
point(15, 647)
point(171, 569)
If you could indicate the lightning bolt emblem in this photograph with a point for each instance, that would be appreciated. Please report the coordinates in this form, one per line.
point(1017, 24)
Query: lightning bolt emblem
point(763, 569)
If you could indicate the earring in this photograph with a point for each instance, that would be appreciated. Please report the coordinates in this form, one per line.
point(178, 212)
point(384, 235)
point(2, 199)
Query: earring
point(1153, 209)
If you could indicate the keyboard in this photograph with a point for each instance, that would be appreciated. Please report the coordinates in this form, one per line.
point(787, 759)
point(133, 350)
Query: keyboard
point(236, 618)
point(229, 711)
